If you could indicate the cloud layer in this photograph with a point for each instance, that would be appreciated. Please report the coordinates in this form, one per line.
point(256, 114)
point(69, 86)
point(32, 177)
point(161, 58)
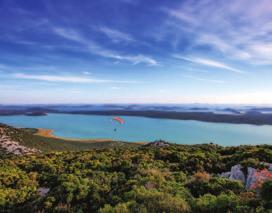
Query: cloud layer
point(177, 50)
point(67, 79)
point(96, 49)
point(238, 29)
point(209, 62)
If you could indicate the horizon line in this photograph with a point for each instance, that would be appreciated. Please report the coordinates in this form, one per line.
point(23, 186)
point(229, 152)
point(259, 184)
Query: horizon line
point(132, 103)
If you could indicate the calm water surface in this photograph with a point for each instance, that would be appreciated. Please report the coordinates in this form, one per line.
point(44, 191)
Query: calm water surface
point(145, 129)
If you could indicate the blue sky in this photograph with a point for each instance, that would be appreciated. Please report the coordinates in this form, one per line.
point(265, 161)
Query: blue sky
point(135, 51)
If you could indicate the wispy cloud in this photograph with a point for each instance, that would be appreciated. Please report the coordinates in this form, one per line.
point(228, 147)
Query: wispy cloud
point(209, 62)
point(261, 50)
point(96, 49)
point(67, 79)
point(181, 16)
point(137, 59)
point(116, 35)
point(238, 29)
point(69, 34)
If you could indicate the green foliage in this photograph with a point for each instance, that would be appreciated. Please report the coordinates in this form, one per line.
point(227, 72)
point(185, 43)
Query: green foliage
point(214, 186)
point(156, 201)
point(16, 186)
point(28, 137)
point(266, 191)
point(221, 203)
point(177, 178)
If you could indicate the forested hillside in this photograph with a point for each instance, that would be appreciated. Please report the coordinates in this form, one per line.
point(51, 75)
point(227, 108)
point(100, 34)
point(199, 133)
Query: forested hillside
point(149, 178)
point(28, 138)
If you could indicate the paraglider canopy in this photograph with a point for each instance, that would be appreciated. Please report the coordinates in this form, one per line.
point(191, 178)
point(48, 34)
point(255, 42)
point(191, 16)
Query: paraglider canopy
point(119, 120)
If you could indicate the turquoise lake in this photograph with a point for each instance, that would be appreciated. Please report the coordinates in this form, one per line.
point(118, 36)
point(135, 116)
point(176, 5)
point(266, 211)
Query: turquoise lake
point(145, 129)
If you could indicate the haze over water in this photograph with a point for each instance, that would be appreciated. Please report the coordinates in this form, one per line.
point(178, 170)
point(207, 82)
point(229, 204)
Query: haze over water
point(145, 129)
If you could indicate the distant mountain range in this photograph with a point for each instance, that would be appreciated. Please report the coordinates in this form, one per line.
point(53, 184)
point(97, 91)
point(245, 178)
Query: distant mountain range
point(217, 109)
point(209, 113)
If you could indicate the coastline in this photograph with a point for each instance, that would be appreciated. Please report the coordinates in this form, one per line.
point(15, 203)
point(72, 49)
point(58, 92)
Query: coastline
point(49, 133)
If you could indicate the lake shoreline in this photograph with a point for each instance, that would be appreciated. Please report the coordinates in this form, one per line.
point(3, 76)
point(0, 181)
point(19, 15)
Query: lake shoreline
point(49, 133)
point(94, 128)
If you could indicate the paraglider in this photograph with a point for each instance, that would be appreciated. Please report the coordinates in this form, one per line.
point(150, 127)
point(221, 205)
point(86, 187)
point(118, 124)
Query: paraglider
point(119, 120)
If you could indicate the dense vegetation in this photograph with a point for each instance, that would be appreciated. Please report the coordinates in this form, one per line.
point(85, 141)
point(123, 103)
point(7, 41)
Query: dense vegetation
point(175, 178)
point(28, 138)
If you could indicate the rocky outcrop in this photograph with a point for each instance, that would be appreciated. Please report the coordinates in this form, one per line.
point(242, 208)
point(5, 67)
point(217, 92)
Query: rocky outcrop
point(43, 191)
point(159, 143)
point(253, 175)
point(13, 147)
point(235, 173)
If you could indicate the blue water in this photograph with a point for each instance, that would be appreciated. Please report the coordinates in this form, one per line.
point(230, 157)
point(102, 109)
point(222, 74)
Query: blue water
point(145, 129)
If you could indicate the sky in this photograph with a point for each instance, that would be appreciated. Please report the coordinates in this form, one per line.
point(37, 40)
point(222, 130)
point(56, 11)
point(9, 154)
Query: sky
point(135, 51)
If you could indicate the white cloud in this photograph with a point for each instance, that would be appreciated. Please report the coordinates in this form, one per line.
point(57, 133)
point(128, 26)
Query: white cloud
point(67, 79)
point(262, 51)
point(69, 34)
point(223, 46)
point(94, 48)
point(181, 16)
point(136, 59)
point(210, 63)
point(241, 30)
point(115, 35)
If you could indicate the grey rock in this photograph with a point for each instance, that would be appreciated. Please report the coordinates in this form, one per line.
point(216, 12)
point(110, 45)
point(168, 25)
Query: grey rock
point(237, 174)
point(251, 178)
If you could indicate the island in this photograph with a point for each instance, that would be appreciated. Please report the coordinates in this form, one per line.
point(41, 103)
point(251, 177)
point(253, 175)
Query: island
point(251, 115)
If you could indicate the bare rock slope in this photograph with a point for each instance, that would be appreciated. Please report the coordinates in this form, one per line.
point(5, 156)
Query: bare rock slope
point(11, 146)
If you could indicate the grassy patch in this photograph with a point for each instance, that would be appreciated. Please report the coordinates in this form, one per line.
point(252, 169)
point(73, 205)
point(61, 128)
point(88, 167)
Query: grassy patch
point(28, 138)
